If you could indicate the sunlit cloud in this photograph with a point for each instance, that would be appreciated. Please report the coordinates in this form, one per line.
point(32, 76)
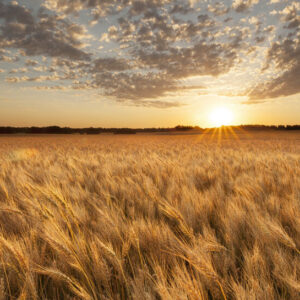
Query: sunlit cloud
point(141, 52)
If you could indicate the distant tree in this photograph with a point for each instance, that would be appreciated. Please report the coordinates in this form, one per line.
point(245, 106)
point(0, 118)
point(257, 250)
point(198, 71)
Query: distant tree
point(124, 131)
point(183, 128)
point(92, 130)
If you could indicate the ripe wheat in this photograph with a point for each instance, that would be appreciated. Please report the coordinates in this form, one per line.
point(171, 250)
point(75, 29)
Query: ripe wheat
point(150, 217)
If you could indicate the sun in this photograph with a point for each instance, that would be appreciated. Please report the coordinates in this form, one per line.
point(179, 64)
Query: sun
point(221, 116)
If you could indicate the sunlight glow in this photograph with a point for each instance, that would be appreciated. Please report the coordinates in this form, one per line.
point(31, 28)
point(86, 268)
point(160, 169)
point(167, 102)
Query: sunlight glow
point(221, 116)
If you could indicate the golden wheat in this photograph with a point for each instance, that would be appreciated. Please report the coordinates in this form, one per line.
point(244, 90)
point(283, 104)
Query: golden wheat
point(150, 217)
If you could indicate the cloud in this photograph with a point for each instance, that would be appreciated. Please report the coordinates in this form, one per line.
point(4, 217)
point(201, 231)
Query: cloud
point(154, 66)
point(291, 15)
point(20, 70)
point(200, 59)
point(284, 85)
point(152, 103)
point(13, 12)
point(149, 49)
point(135, 86)
point(110, 64)
point(16, 79)
point(243, 5)
point(102, 8)
point(48, 35)
point(52, 88)
point(31, 63)
point(33, 79)
point(6, 58)
point(285, 56)
point(218, 9)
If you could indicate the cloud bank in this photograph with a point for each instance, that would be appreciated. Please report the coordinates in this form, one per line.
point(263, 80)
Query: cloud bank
point(141, 52)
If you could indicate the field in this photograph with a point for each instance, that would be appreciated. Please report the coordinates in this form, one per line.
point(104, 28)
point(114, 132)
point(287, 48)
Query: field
point(150, 217)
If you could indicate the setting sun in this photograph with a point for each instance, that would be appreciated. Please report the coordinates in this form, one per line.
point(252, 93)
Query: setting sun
point(221, 116)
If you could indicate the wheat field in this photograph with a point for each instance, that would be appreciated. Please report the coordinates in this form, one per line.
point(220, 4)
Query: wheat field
point(150, 217)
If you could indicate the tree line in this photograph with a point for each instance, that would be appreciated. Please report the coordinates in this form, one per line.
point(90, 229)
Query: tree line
point(99, 130)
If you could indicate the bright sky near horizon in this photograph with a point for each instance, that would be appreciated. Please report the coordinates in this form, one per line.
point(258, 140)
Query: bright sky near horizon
point(134, 63)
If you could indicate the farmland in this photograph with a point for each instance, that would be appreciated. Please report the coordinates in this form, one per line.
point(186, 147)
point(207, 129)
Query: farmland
point(209, 216)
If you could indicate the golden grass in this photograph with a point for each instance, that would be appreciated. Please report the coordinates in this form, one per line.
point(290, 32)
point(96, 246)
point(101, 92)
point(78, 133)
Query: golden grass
point(150, 217)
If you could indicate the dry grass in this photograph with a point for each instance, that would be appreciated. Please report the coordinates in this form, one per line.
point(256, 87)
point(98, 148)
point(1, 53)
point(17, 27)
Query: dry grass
point(150, 217)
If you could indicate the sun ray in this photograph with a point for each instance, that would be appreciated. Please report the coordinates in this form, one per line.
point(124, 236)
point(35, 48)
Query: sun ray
point(243, 131)
point(204, 133)
point(214, 130)
point(232, 132)
point(226, 132)
point(220, 129)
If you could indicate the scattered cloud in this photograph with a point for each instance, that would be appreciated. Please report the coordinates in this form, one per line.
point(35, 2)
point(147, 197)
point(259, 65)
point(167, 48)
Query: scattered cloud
point(285, 58)
point(218, 9)
point(242, 6)
point(46, 35)
point(149, 49)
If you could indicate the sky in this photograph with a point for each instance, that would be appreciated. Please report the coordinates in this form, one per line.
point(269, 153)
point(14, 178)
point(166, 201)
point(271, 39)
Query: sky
point(153, 63)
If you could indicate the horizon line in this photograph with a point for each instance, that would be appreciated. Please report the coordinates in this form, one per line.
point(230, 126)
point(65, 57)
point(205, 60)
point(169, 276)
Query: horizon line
point(178, 127)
